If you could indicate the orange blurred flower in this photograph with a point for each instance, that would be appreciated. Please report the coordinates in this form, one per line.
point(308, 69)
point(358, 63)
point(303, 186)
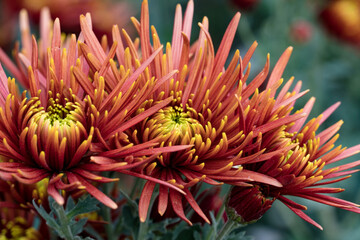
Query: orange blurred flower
point(342, 19)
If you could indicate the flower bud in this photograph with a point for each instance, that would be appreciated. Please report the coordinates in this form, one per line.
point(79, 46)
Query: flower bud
point(301, 31)
point(247, 204)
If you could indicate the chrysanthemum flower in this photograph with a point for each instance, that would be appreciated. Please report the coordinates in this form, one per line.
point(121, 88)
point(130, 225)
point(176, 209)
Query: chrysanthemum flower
point(15, 225)
point(17, 214)
point(213, 109)
point(71, 112)
point(19, 195)
point(303, 170)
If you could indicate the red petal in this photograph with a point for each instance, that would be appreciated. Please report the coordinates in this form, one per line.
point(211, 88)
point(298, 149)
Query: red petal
point(225, 45)
point(277, 123)
point(159, 181)
point(163, 199)
point(92, 190)
point(94, 177)
point(52, 191)
point(144, 201)
point(176, 203)
point(140, 117)
point(303, 216)
point(279, 67)
point(195, 206)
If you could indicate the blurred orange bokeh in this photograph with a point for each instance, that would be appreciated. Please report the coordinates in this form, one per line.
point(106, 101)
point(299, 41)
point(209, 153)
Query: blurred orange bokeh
point(104, 14)
point(342, 19)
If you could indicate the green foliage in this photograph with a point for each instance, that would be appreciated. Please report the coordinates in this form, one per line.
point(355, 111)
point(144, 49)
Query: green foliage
point(63, 221)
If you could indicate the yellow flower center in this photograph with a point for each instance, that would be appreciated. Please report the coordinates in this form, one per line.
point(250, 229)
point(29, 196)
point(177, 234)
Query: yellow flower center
point(173, 125)
point(58, 112)
point(53, 136)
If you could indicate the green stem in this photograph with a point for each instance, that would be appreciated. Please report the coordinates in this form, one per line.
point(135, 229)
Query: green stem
point(109, 225)
point(226, 229)
point(65, 227)
point(107, 214)
point(143, 229)
point(220, 213)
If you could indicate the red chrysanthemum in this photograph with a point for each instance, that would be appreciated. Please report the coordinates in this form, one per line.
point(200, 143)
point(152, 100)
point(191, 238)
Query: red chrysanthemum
point(214, 111)
point(75, 109)
point(304, 169)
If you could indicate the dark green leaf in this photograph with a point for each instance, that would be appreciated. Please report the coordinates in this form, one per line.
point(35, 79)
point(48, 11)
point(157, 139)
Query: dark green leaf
point(77, 228)
point(50, 221)
point(87, 205)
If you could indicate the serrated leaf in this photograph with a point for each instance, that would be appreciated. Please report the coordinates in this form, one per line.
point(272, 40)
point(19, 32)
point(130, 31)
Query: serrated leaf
point(70, 204)
point(50, 221)
point(64, 224)
point(87, 205)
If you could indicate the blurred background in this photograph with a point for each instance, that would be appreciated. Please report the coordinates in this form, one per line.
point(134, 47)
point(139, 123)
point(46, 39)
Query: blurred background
point(325, 35)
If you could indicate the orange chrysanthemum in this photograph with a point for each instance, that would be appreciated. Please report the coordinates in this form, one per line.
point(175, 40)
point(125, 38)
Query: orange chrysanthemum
point(302, 171)
point(213, 111)
point(66, 119)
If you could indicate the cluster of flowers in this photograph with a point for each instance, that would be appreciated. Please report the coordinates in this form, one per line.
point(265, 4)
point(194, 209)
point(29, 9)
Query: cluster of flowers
point(173, 115)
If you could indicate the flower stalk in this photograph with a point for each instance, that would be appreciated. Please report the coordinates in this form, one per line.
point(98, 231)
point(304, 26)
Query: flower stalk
point(227, 228)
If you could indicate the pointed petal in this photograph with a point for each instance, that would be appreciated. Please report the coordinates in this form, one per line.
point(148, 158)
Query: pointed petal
point(303, 216)
point(144, 201)
point(279, 67)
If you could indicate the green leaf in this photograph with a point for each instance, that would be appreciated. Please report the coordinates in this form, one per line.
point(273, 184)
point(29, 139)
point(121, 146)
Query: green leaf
point(50, 221)
point(77, 228)
point(86, 205)
point(63, 221)
point(70, 204)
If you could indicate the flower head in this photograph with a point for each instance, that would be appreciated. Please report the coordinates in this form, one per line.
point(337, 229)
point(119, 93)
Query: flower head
point(17, 212)
point(304, 169)
point(76, 107)
point(213, 110)
point(21, 196)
